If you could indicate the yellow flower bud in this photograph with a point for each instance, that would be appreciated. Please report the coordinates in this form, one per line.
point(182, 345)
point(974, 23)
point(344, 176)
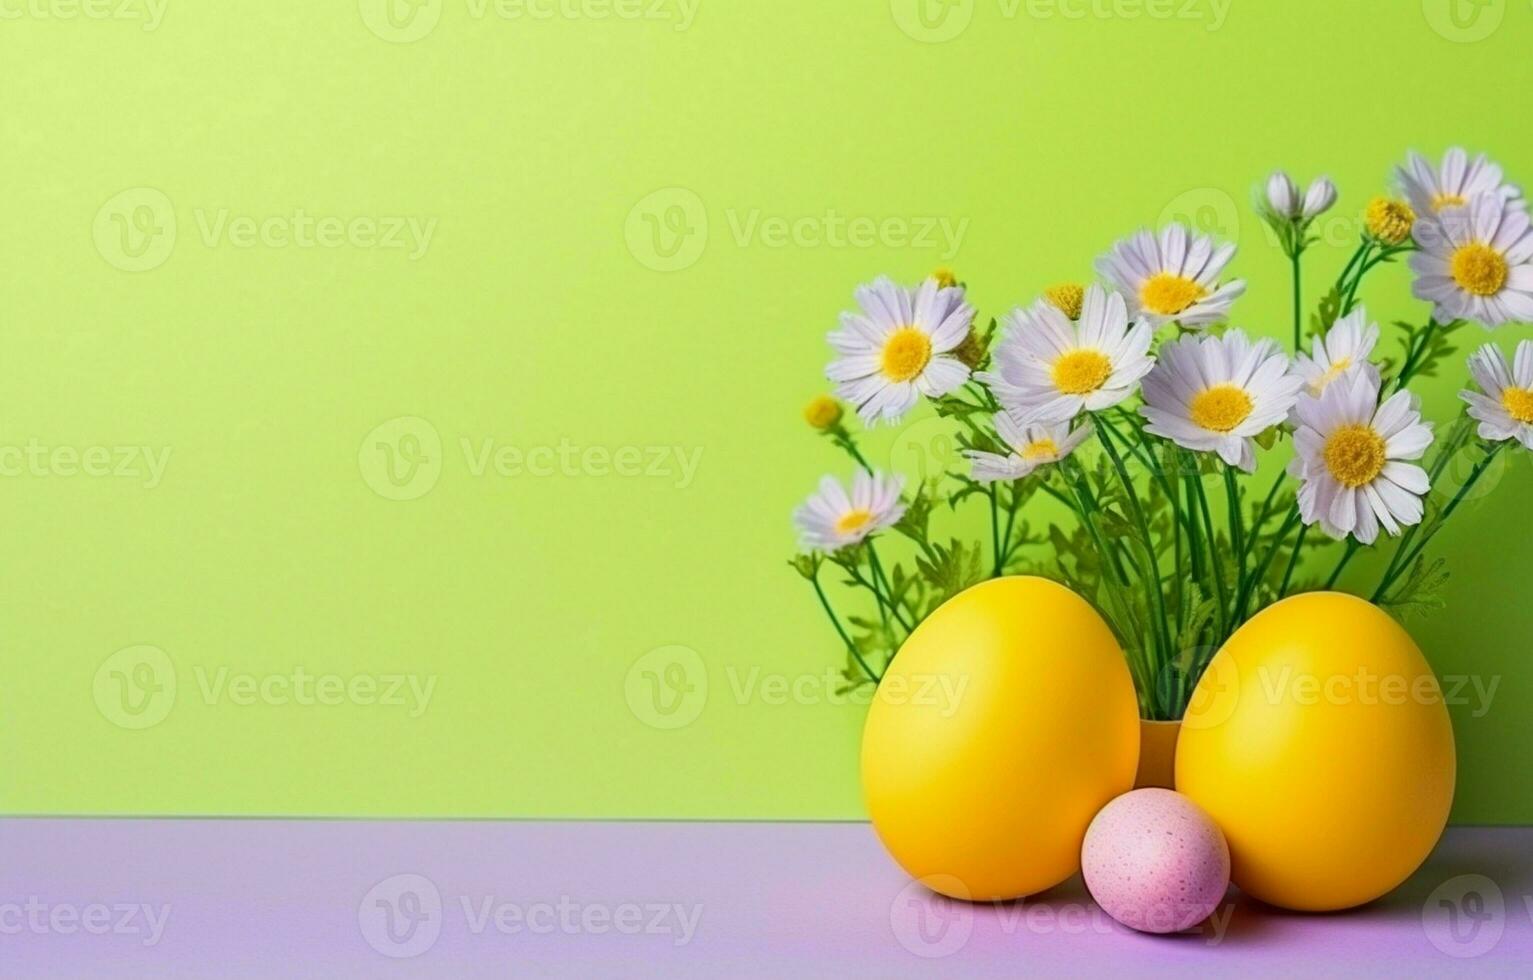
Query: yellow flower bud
point(1066, 297)
point(1389, 221)
point(945, 277)
point(822, 412)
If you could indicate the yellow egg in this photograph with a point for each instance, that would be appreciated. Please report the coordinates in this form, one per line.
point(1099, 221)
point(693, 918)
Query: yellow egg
point(1319, 742)
point(1006, 721)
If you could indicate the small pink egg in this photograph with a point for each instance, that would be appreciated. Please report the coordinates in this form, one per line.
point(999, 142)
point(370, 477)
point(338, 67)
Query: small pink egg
point(1155, 862)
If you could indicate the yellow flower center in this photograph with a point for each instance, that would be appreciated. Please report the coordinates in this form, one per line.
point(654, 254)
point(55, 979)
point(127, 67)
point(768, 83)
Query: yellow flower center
point(1040, 449)
point(853, 521)
point(822, 412)
point(1478, 269)
point(1220, 408)
point(906, 354)
point(1337, 368)
point(1389, 221)
point(1441, 201)
point(1518, 403)
point(1354, 454)
point(945, 277)
point(1081, 372)
point(1169, 294)
point(1067, 298)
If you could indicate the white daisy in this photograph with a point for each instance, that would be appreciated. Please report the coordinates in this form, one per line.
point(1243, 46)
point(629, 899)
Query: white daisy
point(1350, 458)
point(1504, 404)
point(1347, 345)
point(1050, 369)
point(1031, 446)
point(1454, 184)
point(832, 519)
point(1216, 394)
point(900, 347)
point(1476, 263)
point(1173, 277)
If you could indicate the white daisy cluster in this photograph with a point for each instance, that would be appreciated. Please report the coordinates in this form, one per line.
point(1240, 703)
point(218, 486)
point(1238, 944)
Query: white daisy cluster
point(1146, 362)
point(1474, 257)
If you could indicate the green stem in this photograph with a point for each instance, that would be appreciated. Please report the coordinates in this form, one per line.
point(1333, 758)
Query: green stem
point(1362, 247)
point(843, 438)
point(1217, 572)
point(1246, 584)
point(1297, 304)
point(1106, 435)
point(1236, 521)
point(1357, 280)
point(1352, 546)
point(995, 531)
point(1293, 560)
point(834, 621)
point(878, 576)
point(1414, 355)
point(1259, 572)
point(1457, 436)
point(1458, 498)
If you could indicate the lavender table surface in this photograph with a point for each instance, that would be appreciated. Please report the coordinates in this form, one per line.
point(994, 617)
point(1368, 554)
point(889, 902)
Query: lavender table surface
point(274, 898)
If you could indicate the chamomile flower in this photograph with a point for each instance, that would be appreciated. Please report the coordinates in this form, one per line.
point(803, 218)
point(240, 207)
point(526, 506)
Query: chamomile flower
point(1476, 263)
point(1172, 277)
point(832, 518)
point(1345, 347)
point(1504, 404)
point(1031, 446)
point(1352, 458)
point(1050, 368)
point(1454, 184)
point(1216, 394)
point(900, 347)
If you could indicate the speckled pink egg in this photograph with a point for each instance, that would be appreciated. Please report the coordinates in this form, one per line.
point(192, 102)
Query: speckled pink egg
point(1155, 862)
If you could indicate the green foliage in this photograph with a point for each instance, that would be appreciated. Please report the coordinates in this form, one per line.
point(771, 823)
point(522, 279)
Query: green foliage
point(1327, 313)
point(1422, 591)
point(951, 569)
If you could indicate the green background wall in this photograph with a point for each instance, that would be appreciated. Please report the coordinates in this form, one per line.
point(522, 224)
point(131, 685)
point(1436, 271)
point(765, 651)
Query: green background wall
point(628, 249)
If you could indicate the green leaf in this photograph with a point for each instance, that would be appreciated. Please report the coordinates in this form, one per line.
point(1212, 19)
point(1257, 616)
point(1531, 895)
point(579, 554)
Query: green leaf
point(1329, 309)
point(1422, 591)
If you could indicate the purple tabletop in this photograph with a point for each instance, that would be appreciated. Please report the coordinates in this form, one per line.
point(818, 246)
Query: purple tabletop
point(269, 898)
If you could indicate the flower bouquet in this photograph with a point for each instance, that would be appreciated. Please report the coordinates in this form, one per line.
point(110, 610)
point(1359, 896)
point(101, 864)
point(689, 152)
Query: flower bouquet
point(1139, 415)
